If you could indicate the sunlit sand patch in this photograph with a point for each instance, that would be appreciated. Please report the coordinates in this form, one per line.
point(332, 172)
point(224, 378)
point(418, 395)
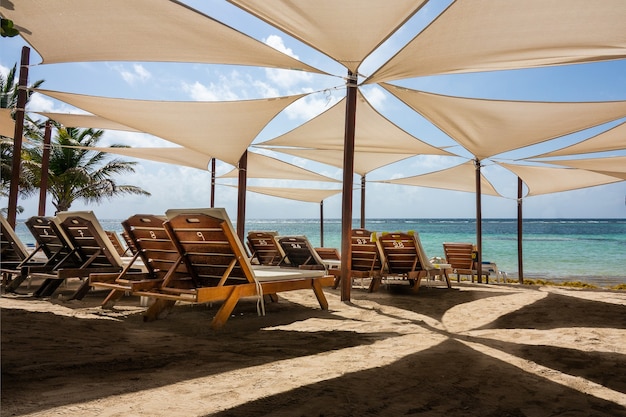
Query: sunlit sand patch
point(574, 382)
point(602, 296)
point(219, 392)
point(475, 314)
point(585, 339)
point(360, 315)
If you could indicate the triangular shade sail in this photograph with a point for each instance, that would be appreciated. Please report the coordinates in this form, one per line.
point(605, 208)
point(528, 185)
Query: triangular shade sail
point(487, 35)
point(347, 31)
point(458, 178)
point(138, 30)
point(490, 127)
point(561, 179)
point(364, 162)
point(175, 156)
point(85, 121)
point(7, 124)
point(614, 166)
point(373, 133)
point(611, 140)
point(223, 129)
point(310, 195)
point(262, 166)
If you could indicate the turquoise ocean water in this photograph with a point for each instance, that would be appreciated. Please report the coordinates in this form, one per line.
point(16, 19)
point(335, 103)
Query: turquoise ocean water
point(588, 250)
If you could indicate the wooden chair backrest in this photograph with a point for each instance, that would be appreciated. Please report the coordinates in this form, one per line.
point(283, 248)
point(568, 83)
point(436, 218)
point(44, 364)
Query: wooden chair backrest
point(116, 242)
point(154, 246)
point(210, 248)
point(400, 252)
point(264, 247)
point(366, 253)
point(86, 235)
point(11, 247)
point(459, 255)
point(53, 242)
point(300, 253)
point(328, 254)
point(129, 242)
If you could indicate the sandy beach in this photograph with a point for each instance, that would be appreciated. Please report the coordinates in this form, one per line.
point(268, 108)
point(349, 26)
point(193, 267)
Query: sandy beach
point(474, 350)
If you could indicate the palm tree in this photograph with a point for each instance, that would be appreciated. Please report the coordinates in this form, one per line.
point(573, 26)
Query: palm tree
point(80, 174)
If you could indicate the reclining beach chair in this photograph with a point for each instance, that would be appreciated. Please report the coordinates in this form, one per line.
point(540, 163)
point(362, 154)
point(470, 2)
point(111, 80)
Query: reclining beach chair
point(264, 248)
point(219, 269)
point(14, 256)
point(367, 259)
point(462, 260)
point(91, 245)
point(117, 243)
point(52, 242)
point(405, 260)
point(154, 251)
point(300, 253)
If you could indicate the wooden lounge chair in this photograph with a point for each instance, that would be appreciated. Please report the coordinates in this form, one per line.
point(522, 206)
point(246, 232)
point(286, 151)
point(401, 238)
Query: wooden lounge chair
point(366, 261)
point(52, 242)
point(91, 244)
point(405, 260)
point(462, 259)
point(14, 256)
point(154, 251)
point(264, 248)
point(117, 243)
point(328, 254)
point(219, 269)
point(300, 253)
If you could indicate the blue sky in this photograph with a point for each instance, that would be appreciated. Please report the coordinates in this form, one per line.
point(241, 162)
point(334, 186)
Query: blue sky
point(173, 186)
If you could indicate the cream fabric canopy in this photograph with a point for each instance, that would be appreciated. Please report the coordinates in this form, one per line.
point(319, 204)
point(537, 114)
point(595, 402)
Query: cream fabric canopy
point(490, 127)
point(612, 140)
point(262, 166)
point(458, 178)
point(177, 156)
point(216, 128)
point(86, 121)
point(373, 133)
point(138, 30)
point(7, 124)
point(614, 166)
point(364, 162)
point(310, 195)
point(347, 31)
point(561, 179)
point(487, 35)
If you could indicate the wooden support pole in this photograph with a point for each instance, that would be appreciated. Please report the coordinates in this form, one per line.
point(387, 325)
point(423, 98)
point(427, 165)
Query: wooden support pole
point(348, 181)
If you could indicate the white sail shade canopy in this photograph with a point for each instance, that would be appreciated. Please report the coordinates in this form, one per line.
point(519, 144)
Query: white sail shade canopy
point(216, 128)
point(262, 166)
point(560, 179)
point(614, 166)
point(176, 156)
point(373, 133)
point(309, 195)
point(613, 139)
point(490, 127)
point(488, 35)
point(86, 121)
point(364, 162)
point(138, 30)
point(457, 178)
point(347, 31)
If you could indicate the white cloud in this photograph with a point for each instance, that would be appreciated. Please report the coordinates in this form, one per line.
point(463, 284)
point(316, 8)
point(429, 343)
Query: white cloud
point(137, 74)
point(310, 106)
point(282, 77)
point(4, 70)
